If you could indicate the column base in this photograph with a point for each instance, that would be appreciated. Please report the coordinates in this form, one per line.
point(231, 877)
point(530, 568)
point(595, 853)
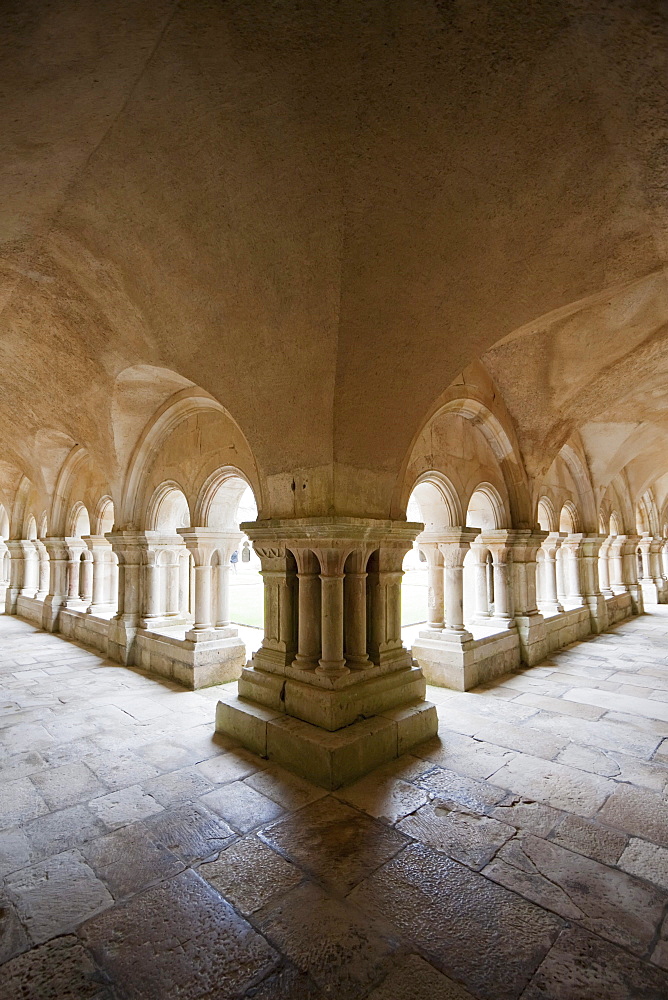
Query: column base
point(51, 612)
point(533, 641)
point(121, 639)
point(194, 664)
point(598, 612)
point(331, 702)
point(464, 665)
point(328, 759)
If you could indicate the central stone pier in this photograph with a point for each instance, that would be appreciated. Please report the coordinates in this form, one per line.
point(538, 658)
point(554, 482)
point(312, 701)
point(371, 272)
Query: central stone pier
point(332, 692)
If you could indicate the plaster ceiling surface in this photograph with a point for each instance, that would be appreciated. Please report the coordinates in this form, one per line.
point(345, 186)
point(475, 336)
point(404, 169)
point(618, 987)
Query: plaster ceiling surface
point(321, 213)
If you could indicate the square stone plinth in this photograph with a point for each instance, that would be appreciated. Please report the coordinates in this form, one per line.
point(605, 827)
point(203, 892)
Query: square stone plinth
point(328, 759)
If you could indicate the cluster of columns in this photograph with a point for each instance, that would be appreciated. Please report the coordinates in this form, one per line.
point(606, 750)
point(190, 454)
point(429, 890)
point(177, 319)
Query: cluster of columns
point(332, 691)
point(332, 609)
point(172, 580)
point(521, 576)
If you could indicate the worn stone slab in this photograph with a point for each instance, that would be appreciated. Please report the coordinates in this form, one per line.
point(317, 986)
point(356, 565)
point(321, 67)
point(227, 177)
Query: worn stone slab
point(463, 792)
point(416, 979)
point(346, 960)
point(477, 933)
point(471, 839)
point(389, 800)
point(646, 861)
point(336, 844)
point(287, 789)
point(591, 838)
point(55, 896)
point(67, 785)
point(59, 831)
point(20, 802)
point(128, 860)
point(178, 940)
point(558, 785)
point(190, 832)
point(604, 900)
point(582, 966)
point(127, 805)
point(61, 969)
point(241, 806)
point(250, 875)
point(637, 811)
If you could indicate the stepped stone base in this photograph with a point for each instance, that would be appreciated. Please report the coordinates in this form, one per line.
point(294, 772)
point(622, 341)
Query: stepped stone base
point(328, 759)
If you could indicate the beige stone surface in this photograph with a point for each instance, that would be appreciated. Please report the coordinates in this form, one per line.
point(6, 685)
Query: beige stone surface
point(415, 979)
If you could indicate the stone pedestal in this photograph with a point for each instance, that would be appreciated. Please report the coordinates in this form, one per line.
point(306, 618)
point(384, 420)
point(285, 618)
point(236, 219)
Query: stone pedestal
point(332, 692)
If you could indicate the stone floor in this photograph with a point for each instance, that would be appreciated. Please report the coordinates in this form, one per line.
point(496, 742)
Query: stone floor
point(522, 854)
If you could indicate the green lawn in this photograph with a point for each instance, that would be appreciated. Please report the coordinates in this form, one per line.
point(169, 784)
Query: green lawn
point(247, 604)
point(247, 607)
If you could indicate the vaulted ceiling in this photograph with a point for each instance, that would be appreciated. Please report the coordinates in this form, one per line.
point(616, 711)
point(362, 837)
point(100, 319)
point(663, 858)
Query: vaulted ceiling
point(322, 212)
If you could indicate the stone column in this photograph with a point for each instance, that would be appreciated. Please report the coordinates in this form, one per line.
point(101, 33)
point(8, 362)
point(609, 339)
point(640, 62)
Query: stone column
point(629, 555)
point(100, 550)
point(43, 569)
point(590, 549)
point(454, 545)
point(656, 569)
point(651, 588)
point(75, 547)
point(128, 547)
point(616, 565)
point(227, 542)
point(86, 578)
point(184, 584)
point(153, 604)
point(60, 555)
point(664, 556)
point(570, 546)
point(481, 613)
point(332, 661)
point(436, 584)
point(309, 610)
point(524, 545)
point(16, 572)
point(549, 603)
point(5, 563)
point(604, 567)
point(289, 713)
point(355, 614)
point(499, 542)
point(202, 543)
point(30, 569)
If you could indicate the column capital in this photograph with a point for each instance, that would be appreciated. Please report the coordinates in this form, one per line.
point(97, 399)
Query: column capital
point(332, 530)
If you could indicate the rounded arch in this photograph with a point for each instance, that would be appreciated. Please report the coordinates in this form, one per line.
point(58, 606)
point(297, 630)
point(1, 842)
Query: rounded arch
point(31, 528)
point(103, 518)
point(43, 527)
point(437, 501)
point(60, 508)
point(499, 439)
point(173, 412)
point(615, 523)
point(546, 515)
point(78, 522)
point(580, 473)
point(569, 519)
point(218, 500)
point(4, 523)
point(167, 509)
point(485, 509)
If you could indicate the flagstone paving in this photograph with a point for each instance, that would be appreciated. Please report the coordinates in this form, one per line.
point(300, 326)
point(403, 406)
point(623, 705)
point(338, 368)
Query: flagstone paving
point(521, 854)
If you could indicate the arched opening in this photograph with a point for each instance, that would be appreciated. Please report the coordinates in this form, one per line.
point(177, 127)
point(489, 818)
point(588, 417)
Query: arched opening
point(226, 502)
point(569, 522)
point(434, 503)
point(546, 516)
